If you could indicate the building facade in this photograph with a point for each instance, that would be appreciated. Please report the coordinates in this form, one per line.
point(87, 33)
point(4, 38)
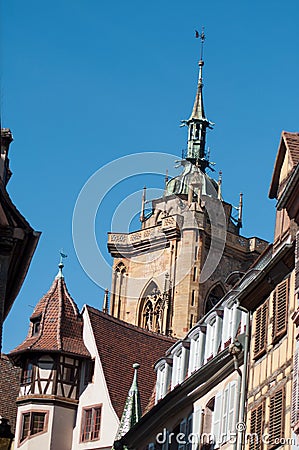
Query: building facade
point(162, 278)
point(18, 243)
point(76, 373)
point(232, 382)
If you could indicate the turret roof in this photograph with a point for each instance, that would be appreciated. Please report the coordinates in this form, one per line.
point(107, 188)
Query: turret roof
point(61, 325)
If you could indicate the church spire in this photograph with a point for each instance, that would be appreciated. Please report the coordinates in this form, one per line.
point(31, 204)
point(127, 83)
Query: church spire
point(132, 410)
point(197, 122)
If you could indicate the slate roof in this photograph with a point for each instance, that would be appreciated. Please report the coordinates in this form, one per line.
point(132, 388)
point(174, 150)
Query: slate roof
point(9, 390)
point(289, 141)
point(120, 345)
point(61, 325)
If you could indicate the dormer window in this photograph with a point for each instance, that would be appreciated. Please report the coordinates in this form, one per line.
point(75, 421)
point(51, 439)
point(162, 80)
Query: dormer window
point(36, 325)
point(180, 363)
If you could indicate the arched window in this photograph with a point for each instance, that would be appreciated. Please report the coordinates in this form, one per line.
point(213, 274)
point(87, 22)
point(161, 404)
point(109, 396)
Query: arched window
point(152, 309)
point(216, 293)
point(118, 290)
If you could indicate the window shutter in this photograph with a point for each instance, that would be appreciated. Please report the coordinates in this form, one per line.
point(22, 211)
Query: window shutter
point(216, 429)
point(225, 407)
point(276, 423)
point(165, 445)
point(188, 432)
point(280, 310)
point(226, 321)
point(295, 390)
point(232, 407)
point(257, 427)
point(261, 329)
point(192, 355)
point(197, 422)
point(174, 372)
point(183, 437)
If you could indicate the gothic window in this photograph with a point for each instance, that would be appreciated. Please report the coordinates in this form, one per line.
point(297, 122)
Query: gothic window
point(118, 290)
point(213, 298)
point(33, 422)
point(152, 309)
point(148, 315)
point(91, 423)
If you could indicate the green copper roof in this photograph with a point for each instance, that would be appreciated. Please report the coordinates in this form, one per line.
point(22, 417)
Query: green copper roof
point(132, 409)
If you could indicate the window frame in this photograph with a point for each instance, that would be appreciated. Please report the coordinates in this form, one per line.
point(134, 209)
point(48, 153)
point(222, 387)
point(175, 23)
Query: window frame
point(26, 379)
point(30, 432)
point(93, 409)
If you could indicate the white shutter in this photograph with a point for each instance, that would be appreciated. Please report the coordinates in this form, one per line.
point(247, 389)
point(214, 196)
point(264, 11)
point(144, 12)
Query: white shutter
point(192, 356)
point(232, 407)
point(196, 428)
point(217, 334)
point(225, 331)
point(216, 428)
point(174, 372)
point(236, 323)
point(183, 437)
point(158, 384)
point(162, 381)
point(225, 407)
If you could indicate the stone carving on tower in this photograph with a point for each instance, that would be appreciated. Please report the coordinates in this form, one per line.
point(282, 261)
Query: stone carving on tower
point(162, 278)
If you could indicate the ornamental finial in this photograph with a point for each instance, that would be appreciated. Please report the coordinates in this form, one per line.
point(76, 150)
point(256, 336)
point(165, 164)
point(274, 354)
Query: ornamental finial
point(61, 265)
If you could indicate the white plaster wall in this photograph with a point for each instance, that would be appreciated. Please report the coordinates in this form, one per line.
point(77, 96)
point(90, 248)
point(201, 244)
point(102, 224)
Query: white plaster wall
point(202, 402)
point(94, 394)
point(38, 442)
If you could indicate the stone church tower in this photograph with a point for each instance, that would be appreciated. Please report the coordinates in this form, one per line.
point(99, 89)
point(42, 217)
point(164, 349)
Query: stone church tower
point(189, 250)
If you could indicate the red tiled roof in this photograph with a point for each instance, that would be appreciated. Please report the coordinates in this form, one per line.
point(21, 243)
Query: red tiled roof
point(9, 390)
point(288, 142)
point(120, 345)
point(61, 325)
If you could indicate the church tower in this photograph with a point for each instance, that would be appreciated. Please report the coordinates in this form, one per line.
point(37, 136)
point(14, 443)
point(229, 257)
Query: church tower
point(189, 250)
point(52, 358)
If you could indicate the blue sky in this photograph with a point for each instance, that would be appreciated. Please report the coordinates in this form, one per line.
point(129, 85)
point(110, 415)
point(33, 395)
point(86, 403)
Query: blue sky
point(84, 82)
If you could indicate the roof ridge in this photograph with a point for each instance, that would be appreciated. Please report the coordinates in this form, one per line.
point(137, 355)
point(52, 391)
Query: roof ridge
point(47, 297)
point(60, 312)
point(129, 325)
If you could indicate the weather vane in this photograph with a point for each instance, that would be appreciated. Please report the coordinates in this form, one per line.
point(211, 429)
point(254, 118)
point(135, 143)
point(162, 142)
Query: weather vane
point(62, 257)
point(202, 37)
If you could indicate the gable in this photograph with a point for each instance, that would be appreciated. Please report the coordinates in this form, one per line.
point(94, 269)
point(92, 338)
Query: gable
point(286, 160)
